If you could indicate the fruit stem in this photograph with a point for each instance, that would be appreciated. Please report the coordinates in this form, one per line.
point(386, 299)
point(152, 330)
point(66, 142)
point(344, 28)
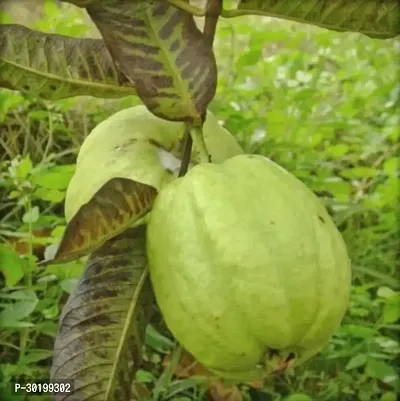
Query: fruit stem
point(186, 154)
point(196, 132)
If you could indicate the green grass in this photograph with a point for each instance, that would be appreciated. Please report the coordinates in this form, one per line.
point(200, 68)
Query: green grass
point(324, 105)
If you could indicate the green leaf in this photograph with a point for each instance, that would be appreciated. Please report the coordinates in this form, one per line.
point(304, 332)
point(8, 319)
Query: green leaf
point(69, 285)
point(35, 355)
point(391, 310)
point(388, 396)
point(24, 167)
point(57, 67)
point(11, 265)
point(358, 331)
point(57, 177)
point(385, 292)
point(14, 312)
point(143, 376)
point(49, 195)
point(359, 172)
point(27, 295)
point(379, 370)
point(102, 326)
point(162, 52)
point(298, 397)
point(356, 361)
point(374, 18)
point(338, 151)
point(157, 341)
point(391, 166)
point(117, 205)
point(32, 215)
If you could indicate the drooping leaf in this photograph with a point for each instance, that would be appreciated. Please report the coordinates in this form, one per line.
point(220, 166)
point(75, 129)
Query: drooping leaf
point(162, 52)
point(374, 18)
point(56, 67)
point(102, 326)
point(116, 206)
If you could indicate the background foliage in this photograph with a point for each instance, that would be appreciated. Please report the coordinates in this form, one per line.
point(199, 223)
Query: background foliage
point(322, 104)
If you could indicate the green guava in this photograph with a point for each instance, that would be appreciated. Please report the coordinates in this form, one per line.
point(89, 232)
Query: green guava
point(248, 268)
point(135, 144)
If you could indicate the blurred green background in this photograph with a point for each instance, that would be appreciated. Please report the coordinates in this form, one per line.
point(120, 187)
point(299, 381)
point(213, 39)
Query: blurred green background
point(324, 105)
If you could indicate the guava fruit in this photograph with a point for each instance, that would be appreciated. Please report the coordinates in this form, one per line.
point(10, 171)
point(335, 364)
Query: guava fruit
point(248, 268)
point(135, 144)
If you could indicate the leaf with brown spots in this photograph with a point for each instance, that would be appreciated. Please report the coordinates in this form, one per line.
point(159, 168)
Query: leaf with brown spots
point(162, 52)
point(373, 18)
point(56, 67)
point(117, 205)
point(102, 326)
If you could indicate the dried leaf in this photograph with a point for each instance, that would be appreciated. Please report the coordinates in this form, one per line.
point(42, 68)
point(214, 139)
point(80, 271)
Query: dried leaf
point(102, 326)
point(374, 18)
point(220, 392)
point(57, 67)
point(117, 205)
point(187, 366)
point(162, 52)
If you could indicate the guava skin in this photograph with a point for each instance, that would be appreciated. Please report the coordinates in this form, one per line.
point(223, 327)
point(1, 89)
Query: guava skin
point(245, 259)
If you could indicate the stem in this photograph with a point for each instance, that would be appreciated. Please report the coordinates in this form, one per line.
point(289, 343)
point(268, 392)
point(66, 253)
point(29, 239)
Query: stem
point(196, 132)
point(213, 11)
point(187, 152)
point(24, 338)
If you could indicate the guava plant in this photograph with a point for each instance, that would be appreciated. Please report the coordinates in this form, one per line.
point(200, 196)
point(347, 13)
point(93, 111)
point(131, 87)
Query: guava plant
point(250, 282)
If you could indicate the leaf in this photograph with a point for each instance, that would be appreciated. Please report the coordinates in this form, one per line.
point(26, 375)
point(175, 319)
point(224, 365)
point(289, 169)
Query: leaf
point(356, 361)
point(359, 172)
point(162, 52)
point(220, 392)
point(379, 369)
point(358, 331)
point(11, 265)
point(35, 355)
point(57, 67)
point(391, 310)
point(298, 397)
point(102, 326)
point(32, 215)
point(56, 177)
point(15, 312)
point(374, 18)
point(157, 341)
point(116, 206)
point(187, 366)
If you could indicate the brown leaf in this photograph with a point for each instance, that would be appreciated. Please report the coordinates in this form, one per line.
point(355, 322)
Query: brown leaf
point(117, 205)
point(102, 326)
point(187, 366)
point(220, 392)
point(22, 245)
